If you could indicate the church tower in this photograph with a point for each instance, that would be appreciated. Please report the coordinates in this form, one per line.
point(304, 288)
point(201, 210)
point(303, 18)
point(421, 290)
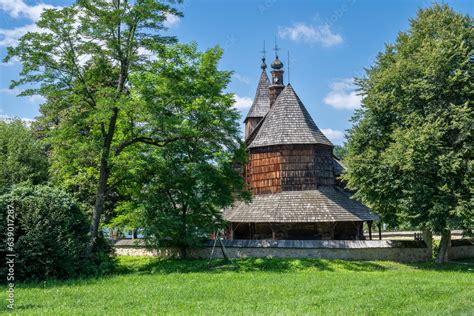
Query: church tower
point(291, 173)
point(261, 103)
point(277, 85)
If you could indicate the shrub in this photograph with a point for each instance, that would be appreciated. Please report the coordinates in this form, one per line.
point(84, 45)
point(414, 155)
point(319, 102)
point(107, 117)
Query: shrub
point(50, 234)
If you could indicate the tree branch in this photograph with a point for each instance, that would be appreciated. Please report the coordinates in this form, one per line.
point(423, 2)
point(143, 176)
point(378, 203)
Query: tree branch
point(149, 141)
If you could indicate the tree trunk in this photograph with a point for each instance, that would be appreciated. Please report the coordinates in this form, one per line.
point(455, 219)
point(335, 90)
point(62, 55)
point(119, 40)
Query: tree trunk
point(102, 186)
point(184, 252)
point(184, 248)
point(444, 246)
point(428, 239)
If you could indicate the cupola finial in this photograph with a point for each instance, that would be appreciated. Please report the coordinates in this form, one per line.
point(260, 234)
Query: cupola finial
point(264, 65)
point(276, 48)
point(276, 64)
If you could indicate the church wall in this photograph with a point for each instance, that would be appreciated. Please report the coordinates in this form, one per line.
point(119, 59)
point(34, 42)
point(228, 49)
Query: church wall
point(264, 171)
point(289, 168)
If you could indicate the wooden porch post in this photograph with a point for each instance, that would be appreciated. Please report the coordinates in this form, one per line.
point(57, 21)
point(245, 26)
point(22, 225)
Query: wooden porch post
point(252, 230)
point(369, 224)
point(380, 230)
point(231, 237)
point(333, 229)
point(273, 231)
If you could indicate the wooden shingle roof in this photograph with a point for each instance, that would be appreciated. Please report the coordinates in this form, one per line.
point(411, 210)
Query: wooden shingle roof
point(326, 204)
point(288, 122)
point(261, 103)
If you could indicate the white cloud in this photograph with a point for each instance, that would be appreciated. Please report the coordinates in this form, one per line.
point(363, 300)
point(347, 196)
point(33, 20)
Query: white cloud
point(8, 91)
point(301, 32)
point(19, 9)
point(242, 103)
point(241, 78)
point(171, 20)
point(343, 95)
point(9, 37)
point(35, 99)
point(12, 62)
point(334, 135)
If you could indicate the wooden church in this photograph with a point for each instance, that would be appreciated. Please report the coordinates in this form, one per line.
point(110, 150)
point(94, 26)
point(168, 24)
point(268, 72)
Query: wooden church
point(292, 173)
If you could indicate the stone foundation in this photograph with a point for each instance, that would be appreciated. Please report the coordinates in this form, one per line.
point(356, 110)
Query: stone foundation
point(461, 249)
point(402, 251)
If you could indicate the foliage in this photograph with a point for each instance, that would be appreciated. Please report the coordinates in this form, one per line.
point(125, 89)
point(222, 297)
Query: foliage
point(297, 286)
point(81, 63)
point(410, 151)
point(179, 189)
point(22, 158)
point(120, 98)
point(50, 234)
point(340, 151)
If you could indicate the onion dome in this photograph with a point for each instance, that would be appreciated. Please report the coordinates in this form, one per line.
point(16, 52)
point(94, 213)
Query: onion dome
point(277, 64)
point(264, 65)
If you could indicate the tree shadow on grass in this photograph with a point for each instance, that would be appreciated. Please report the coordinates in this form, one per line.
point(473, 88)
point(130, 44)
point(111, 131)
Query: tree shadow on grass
point(166, 266)
point(463, 265)
point(160, 266)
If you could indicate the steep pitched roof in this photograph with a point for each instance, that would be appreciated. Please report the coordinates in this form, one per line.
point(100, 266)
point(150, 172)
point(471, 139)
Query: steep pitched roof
point(337, 166)
point(326, 204)
point(288, 122)
point(261, 103)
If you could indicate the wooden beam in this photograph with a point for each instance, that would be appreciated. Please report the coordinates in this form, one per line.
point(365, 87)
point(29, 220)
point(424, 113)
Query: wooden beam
point(369, 224)
point(380, 230)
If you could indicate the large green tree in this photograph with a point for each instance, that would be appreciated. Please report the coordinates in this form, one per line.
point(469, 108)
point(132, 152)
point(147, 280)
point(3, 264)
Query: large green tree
point(91, 40)
point(22, 156)
point(410, 151)
point(176, 192)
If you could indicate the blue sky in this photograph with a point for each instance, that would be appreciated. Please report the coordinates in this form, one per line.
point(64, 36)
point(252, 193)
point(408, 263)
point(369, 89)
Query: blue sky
point(330, 42)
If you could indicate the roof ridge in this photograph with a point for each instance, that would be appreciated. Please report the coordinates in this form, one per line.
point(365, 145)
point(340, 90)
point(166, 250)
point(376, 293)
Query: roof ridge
point(261, 102)
point(288, 122)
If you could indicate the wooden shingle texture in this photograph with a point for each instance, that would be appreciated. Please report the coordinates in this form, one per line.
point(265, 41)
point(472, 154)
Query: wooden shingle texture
point(261, 103)
point(288, 122)
point(326, 204)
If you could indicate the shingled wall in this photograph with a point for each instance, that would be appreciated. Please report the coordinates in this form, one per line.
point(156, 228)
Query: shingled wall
point(289, 168)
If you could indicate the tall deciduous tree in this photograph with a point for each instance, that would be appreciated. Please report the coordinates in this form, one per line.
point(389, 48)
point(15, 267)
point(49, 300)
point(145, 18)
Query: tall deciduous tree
point(179, 190)
point(91, 40)
point(410, 151)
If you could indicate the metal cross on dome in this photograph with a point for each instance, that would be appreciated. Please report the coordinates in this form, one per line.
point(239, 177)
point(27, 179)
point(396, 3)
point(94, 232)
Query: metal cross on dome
point(276, 48)
point(263, 51)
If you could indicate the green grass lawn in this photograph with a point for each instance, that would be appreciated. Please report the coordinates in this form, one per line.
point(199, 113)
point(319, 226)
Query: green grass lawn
point(261, 286)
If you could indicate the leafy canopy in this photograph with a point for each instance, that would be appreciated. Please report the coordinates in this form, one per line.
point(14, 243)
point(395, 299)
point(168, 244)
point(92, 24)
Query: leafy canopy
point(410, 151)
point(178, 190)
point(119, 93)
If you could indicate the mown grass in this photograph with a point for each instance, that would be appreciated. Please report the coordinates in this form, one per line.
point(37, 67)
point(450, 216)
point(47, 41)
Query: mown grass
point(261, 286)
